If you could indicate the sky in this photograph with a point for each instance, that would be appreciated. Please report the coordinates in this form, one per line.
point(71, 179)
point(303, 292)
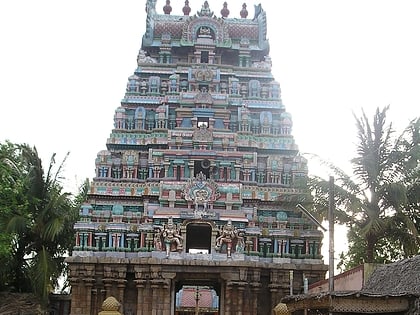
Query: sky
point(64, 67)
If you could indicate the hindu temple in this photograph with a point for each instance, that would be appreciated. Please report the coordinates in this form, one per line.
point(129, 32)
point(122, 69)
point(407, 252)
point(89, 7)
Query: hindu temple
point(193, 208)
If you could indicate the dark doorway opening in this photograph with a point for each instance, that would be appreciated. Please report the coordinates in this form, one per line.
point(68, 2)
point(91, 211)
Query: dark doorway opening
point(198, 238)
point(204, 57)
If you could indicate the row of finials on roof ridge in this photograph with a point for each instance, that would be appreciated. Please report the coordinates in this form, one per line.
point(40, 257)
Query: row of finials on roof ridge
point(205, 10)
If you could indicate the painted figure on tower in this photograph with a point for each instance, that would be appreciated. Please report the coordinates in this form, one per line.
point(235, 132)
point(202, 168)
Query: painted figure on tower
point(172, 238)
point(228, 238)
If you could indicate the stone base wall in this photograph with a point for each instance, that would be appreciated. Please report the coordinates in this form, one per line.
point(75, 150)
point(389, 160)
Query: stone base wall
point(147, 286)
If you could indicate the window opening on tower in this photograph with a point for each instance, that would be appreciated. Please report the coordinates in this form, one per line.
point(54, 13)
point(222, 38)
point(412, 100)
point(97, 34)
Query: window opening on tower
point(204, 57)
point(202, 122)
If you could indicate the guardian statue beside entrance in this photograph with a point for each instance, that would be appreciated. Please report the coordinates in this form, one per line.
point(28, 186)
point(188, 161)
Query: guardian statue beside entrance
point(172, 238)
point(228, 239)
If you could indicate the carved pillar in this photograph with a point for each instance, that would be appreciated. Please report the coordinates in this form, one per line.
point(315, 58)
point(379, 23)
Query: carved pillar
point(141, 306)
point(166, 297)
point(121, 287)
point(147, 299)
point(255, 286)
point(228, 298)
point(171, 201)
point(275, 287)
point(191, 168)
point(241, 310)
point(145, 207)
point(95, 301)
point(182, 171)
point(76, 296)
point(237, 171)
point(108, 286)
point(255, 289)
point(247, 303)
point(234, 295)
point(88, 295)
point(275, 292)
point(166, 166)
point(102, 297)
point(159, 297)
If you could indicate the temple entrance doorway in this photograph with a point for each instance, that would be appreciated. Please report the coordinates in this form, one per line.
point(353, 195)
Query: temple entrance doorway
point(197, 297)
point(198, 238)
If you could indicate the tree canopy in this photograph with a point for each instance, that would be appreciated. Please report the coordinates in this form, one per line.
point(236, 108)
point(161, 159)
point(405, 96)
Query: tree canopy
point(37, 218)
point(380, 201)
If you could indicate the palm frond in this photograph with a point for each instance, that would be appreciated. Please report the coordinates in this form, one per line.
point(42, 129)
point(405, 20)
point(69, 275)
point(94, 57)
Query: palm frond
point(17, 224)
point(43, 267)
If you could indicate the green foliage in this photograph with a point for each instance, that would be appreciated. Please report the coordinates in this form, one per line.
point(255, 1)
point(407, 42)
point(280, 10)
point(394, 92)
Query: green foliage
point(37, 218)
point(380, 202)
point(5, 257)
point(387, 249)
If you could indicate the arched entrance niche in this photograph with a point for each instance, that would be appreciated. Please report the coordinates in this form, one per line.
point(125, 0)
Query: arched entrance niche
point(200, 237)
point(197, 295)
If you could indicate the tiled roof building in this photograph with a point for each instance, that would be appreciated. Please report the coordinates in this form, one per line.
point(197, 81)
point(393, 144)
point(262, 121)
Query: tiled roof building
point(390, 289)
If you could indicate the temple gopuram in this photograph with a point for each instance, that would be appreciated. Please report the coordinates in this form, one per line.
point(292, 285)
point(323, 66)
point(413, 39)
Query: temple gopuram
point(193, 208)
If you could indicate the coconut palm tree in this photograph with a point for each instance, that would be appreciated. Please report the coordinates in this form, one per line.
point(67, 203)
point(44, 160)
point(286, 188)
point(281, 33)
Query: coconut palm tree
point(41, 224)
point(380, 201)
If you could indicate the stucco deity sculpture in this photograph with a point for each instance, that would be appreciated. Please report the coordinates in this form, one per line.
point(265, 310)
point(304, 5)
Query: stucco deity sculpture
point(201, 198)
point(228, 236)
point(172, 239)
point(205, 10)
point(158, 240)
point(173, 83)
point(142, 57)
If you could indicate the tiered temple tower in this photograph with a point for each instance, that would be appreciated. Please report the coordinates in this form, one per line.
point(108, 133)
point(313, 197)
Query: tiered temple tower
point(196, 192)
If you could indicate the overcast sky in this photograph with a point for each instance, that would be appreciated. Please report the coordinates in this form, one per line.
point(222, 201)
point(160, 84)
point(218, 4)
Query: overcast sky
point(64, 67)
